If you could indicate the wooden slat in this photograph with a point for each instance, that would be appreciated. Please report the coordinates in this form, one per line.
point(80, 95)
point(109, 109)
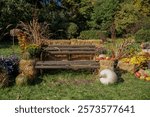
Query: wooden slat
point(66, 62)
point(83, 67)
point(67, 65)
point(72, 52)
point(69, 49)
point(51, 67)
point(73, 46)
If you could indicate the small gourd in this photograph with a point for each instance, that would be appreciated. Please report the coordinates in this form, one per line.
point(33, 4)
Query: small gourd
point(21, 80)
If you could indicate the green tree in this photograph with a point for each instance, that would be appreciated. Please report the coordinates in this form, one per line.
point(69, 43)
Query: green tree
point(103, 14)
point(130, 15)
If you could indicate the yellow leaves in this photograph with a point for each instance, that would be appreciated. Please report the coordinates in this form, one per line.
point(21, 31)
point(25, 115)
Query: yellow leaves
point(142, 6)
point(138, 59)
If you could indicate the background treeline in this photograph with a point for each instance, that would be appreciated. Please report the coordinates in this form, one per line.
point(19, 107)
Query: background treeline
point(85, 19)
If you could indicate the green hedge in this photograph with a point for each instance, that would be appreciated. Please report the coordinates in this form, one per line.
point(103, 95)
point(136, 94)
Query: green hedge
point(72, 30)
point(142, 35)
point(92, 34)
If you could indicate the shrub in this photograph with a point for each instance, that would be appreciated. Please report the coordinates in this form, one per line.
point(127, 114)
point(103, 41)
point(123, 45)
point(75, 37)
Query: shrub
point(142, 35)
point(93, 34)
point(34, 50)
point(9, 64)
point(8, 70)
point(72, 30)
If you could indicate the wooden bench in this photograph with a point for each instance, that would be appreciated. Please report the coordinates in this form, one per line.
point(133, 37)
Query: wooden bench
point(69, 51)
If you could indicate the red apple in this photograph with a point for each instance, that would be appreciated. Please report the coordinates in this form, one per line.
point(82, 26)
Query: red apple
point(108, 58)
point(137, 74)
point(145, 75)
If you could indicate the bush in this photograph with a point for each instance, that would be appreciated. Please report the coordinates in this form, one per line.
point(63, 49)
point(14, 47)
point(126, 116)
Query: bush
point(142, 35)
point(9, 64)
point(93, 34)
point(8, 70)
point(72, 30)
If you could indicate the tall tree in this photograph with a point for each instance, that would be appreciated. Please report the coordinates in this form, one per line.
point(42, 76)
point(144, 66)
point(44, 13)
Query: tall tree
point(103, 14)
point(130, 14)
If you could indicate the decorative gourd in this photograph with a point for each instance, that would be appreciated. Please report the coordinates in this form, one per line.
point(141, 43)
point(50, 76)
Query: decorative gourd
point(108, 76)
point(21, 80)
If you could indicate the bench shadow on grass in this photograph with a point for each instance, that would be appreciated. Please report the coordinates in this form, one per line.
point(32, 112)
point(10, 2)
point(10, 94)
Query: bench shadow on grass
point(39, 79)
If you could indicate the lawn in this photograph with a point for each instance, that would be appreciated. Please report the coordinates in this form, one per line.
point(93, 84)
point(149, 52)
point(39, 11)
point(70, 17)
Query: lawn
point(81, 85)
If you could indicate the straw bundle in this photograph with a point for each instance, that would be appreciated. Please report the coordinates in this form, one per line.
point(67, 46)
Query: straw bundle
point(82, 57)
point(55, 42)
point(27, 68)
point(107, 64)
point(127, 67)
point(85, 42)
point(72, 42)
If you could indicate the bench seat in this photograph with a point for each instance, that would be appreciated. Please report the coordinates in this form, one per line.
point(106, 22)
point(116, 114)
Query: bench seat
point(77, 64)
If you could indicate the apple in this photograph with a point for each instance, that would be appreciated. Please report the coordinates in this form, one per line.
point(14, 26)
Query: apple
point(145, 75)
point(137, 74)
point(142, 77)
point(148, 78)
point(97, 58)
point(108, 58)
point(102, 56)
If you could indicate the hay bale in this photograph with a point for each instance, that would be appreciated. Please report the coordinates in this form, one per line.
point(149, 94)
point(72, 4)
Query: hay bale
point(55, 42)
point(86, 42)
point(82, 57)
point(74, 42)
point(27, 68)
point(126, 66)
point(107, 64)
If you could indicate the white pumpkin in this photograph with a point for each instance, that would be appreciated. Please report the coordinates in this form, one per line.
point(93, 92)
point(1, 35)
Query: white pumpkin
point(108, 76)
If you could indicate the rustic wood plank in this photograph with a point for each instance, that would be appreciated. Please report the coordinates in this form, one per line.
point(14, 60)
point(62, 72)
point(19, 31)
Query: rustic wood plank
point(68, 49)
point(67, 67)
point(73, 46)
point(51, 67)
point(67, 62)
point(72, 52)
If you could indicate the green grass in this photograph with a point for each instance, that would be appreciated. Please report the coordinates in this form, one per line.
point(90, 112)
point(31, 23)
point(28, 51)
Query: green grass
point(81, 85)
point(7, 49)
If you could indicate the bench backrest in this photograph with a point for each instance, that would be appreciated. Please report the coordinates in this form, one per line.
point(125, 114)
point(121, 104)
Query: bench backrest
point(70, 49)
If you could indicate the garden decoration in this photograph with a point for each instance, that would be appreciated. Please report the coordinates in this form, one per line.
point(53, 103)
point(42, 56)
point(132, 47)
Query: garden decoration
point(21, 80)
point(108, 76)
point(143, 74)
point(30, 44)
point(8, 70)
point(114, 54)
point(30, 53)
